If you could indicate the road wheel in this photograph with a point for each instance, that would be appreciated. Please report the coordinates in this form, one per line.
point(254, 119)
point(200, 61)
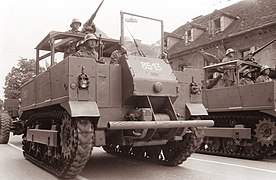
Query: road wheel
point(5, 123)
point(265, 132)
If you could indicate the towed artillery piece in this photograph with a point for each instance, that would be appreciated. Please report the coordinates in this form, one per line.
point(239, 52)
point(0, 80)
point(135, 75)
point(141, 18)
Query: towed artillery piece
point(138, 108)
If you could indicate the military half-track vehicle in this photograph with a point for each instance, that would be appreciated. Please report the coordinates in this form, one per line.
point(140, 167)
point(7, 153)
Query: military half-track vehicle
point(132, 108)
point(244, 115)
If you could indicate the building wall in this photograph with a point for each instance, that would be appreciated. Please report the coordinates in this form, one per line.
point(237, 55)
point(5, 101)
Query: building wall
point(225, 22)
point(197, 32)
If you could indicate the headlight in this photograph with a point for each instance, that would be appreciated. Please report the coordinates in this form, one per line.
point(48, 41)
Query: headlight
point(83, 80)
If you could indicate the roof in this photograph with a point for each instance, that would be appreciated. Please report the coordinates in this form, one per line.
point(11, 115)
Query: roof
point(167, 34)
point(248, 14)
point(66, 37)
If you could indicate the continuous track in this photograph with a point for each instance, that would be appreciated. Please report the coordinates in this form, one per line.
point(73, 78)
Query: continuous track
point(59, 160)
point(258, 147)
point(171, 154)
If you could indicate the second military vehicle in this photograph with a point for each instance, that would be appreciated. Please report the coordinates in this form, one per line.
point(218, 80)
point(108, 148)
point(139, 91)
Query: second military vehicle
point(139, 107)
point(244, 115)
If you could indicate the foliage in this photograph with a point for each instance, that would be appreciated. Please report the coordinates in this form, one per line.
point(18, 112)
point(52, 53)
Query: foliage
point(19, 75)
point(1, 104)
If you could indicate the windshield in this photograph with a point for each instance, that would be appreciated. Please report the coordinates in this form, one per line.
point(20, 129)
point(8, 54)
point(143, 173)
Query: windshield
point(141, 35)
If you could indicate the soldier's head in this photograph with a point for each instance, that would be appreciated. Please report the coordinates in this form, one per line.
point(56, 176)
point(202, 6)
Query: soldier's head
point(75, 24)
point(230, 52)
point(90, 40)
point(265, 70)
point(247, 73)
point(80, 45)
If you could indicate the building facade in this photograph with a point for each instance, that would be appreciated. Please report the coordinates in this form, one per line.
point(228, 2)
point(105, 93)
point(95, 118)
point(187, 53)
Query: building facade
point(244, 27)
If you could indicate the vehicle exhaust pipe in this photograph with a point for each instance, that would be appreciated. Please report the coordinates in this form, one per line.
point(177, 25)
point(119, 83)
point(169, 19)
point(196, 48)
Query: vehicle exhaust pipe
point(120, 125)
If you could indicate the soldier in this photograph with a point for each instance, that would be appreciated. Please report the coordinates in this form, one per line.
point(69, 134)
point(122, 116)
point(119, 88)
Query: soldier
point(229, 74)
point(71, 46)
point(229, 55)
point(75, 25)
point(90, 43)
point(246, 78)
point(115, 55)
point(80, 45)
point(265, 70)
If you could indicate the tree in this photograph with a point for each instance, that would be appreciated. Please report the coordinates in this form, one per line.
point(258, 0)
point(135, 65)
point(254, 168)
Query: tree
point(18, 76)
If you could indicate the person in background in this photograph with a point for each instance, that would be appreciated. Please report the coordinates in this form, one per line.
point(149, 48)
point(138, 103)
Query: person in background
point(75, 25)
point(229, 55)
point(80, 45)
point(71, 45)
point(264, 72)
point(228, 71)
point(115, 55)
point(246, 78)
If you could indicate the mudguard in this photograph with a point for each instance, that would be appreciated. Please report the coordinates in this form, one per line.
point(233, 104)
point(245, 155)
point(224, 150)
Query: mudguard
point(196, 109)
point(81, 109)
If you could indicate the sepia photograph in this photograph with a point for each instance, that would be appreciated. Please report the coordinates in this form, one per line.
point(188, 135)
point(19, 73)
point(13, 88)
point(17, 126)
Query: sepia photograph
point(138, 90)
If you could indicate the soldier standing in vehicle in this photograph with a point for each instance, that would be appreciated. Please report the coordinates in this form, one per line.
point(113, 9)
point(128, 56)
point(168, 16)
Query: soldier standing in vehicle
point(75, 25)
point(71, 46)
point(90, 43)
point(115, 55)
point(229, 55)
point(229, 73)
point(264, 71)
point(80, 45)
point(246, 78)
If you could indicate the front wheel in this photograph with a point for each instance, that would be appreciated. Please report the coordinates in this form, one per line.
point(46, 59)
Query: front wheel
point(5, 123)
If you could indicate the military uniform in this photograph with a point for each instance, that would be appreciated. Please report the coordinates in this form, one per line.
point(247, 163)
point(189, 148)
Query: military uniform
point(245, 81)
point(72, 31)
point(87, 53)
point(114, 58)
point(263, 78)
point(70, 50)
point(115, 55)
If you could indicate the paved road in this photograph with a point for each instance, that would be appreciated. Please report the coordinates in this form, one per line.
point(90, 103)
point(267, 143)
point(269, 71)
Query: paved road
point(105, 166)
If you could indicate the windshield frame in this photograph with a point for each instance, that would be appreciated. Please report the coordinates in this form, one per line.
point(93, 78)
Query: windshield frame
point(122, 37)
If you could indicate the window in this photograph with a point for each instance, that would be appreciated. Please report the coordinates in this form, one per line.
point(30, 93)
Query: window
point(166, 42)
point(189, 37)
point(217, 26)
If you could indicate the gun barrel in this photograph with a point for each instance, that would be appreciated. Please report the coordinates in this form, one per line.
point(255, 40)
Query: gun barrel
point(90, 20)
point(264, 46)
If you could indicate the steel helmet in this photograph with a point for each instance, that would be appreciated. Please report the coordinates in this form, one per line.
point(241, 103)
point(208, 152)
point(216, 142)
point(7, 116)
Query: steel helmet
point(80, 43)
point(245, 72)
point(264, 68)
point(75, 21)
point(230, 50)
point(89, 36)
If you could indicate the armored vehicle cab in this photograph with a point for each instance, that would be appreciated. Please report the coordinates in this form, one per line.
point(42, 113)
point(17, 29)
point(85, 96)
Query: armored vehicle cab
point(244, 115)
point(127, 108)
